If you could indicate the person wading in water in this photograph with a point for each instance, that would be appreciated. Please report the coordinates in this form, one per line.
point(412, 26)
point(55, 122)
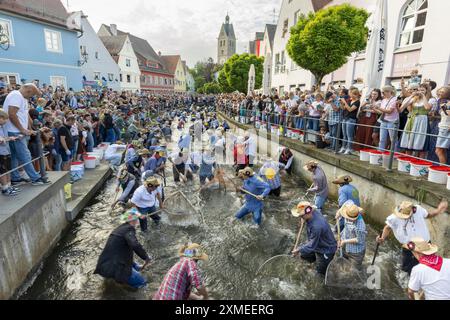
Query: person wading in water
point(116, 259)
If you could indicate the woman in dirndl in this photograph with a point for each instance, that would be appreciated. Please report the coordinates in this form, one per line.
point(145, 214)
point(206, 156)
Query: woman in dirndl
point(414, 138)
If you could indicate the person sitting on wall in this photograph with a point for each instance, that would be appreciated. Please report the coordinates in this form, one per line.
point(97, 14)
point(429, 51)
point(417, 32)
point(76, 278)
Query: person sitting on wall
point(287, 158)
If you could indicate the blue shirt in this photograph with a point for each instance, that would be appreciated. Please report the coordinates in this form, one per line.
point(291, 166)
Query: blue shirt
point(185, 142)
point(355, 229)
point(206, 169)
point(153, 163)
point(320, 237)
point(348, 192)
point(258, 187)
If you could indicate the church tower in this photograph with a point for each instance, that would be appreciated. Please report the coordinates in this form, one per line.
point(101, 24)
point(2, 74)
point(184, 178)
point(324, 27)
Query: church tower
point(226, 44)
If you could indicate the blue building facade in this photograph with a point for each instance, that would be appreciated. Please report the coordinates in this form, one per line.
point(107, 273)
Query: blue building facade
point(39, 51)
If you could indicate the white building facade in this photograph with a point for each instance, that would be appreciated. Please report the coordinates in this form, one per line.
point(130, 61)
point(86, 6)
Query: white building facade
point(417, 38)
point(99, 68)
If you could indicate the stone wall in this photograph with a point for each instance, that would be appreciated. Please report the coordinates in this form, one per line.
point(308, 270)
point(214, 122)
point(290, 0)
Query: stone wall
point(380, 191)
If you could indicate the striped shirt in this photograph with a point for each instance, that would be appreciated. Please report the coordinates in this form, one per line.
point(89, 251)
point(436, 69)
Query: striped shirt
point(275, 183)
point(334, 117)
point(179, 281)
point(355, 229)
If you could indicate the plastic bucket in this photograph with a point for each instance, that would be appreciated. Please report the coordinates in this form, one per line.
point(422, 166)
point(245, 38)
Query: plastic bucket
point(274, 129)
point(376, 158)
point(89, 162)
point(448, 182)
point(77, 171)
point(438, 174)
point(404, 164)
point(420, 168)
point(364, 155)
point(96, 155)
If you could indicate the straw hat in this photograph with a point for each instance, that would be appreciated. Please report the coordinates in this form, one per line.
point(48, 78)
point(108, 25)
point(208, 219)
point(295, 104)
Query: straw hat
point(351, 212)
point(421, 246)
point(343, 179)
point(405, 210)
point(302, 209)
point(193, 251)
point(130, 215)
point(310, 164)
point(144, 152)
point(152, 182)
point(247, 172)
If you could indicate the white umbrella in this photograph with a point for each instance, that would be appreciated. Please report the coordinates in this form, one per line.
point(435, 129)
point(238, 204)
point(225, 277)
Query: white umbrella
point(251, 80)
point(376, 48)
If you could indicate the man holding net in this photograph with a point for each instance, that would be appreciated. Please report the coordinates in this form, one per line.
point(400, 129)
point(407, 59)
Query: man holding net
point(321, 245)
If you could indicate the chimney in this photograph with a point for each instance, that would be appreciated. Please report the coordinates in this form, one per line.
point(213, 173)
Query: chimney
point(113, 28)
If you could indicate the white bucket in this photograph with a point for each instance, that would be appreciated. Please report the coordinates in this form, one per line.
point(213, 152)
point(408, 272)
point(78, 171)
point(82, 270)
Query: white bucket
point(448, 182)
point(376, 158)
point(420, 168)
point(274, 129)
point(89, 162)
point(97, 157)
point(364, 155)
point(438, 175)
point(100, 152)
point(404, 165)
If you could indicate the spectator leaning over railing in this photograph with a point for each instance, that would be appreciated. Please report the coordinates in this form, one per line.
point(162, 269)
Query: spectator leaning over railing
point(389, 115)
point(18, 125)
point(5, 158)
point(443, 142)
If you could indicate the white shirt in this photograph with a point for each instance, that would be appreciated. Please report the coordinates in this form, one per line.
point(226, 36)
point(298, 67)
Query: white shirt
point(143, 199)
point(195, 158)
point(435, 284)
point(405, 230)
point(113, 149)
point(16, 99)
point(250, 147)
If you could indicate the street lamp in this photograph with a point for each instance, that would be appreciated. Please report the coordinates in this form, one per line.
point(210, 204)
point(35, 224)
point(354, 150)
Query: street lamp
point(84, 57)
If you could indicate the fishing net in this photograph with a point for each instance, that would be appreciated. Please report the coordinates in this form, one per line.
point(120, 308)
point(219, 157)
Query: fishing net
point(180, 210)
point(342, 273)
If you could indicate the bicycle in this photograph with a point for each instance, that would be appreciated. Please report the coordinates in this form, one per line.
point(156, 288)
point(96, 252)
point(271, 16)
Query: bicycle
point(4, 39)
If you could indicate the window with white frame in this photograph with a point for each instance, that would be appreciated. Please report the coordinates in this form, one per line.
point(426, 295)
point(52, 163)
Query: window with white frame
point(110, 76)
point(128, 62)
point(296, 16)
point(58, 81)
point(97, 75)
point(11, 79)
point(277, 63)
point(6, 27)
point(414, 18)
point(53, 41)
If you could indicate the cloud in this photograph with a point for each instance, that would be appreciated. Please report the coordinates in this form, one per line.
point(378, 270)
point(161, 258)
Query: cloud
point(189, 28)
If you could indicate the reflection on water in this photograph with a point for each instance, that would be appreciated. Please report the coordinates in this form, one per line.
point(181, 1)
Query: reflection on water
point(236, 250)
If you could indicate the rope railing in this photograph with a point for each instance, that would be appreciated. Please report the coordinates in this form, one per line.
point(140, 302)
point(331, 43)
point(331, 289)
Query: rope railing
point(271, 115)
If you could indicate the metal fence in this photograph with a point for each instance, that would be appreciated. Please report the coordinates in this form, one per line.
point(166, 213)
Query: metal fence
point(269, 119)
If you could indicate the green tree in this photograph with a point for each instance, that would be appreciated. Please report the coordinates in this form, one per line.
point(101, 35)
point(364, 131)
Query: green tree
point(204, 71)
point(212, 88)
point(322, 42)
point(234, 74)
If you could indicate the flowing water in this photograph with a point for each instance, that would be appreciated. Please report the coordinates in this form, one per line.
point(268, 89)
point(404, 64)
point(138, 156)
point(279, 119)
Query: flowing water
point(236, 250)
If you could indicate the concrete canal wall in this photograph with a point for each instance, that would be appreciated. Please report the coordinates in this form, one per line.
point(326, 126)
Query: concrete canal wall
point(380, 191)
point(32, 223)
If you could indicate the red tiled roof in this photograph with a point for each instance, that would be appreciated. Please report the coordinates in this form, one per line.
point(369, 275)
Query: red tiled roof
point(171, 62)
point(51, 11)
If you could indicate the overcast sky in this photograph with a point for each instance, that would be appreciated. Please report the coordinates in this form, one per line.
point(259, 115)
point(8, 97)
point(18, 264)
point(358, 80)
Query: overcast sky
point(186, 27)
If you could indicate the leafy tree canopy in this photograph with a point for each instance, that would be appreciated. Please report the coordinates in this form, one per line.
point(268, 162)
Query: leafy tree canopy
point(321, 42)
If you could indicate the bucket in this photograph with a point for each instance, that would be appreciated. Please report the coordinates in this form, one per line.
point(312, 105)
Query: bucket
point(404, 164)
point(96, 155)
point(68, 191)
point(89, 162)
point(274, 129)
point(376, 158)
point(77, 171)
point(438, 174)
point(257, 124)
point(448, 182)
point(364, 155)
point(420, 168)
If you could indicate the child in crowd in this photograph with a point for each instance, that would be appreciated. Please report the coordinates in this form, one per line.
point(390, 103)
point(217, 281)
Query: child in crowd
point(324, 139)
point(414, 77)
point(5, 157)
